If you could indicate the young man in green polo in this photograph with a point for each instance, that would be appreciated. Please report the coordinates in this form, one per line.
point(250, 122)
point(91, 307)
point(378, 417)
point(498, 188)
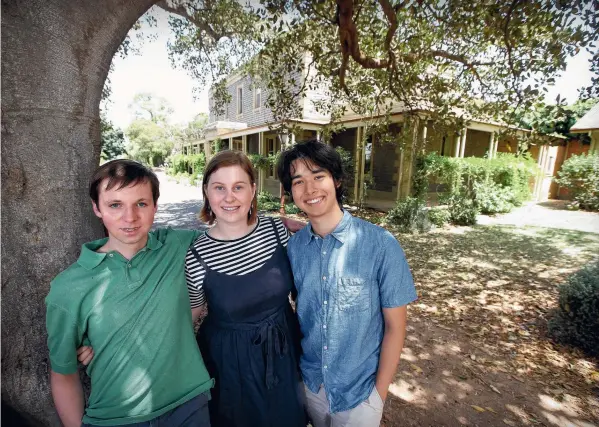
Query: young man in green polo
point(126, 294)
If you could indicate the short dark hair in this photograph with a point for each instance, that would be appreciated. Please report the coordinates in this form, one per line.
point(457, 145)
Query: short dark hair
point(318, 153)
point(122, 173)
point(221, 160)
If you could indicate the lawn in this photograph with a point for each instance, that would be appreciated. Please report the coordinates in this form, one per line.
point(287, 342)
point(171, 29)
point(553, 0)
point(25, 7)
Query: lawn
point(477, 352)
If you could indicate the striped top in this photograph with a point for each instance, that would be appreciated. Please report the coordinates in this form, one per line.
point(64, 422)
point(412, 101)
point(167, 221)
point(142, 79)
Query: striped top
point(233, 257)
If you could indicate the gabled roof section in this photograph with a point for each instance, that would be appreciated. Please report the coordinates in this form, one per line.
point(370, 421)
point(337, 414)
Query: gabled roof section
point(588, 122)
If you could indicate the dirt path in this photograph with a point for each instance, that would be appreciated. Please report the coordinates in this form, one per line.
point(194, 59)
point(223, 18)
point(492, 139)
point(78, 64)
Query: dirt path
point(550, 214)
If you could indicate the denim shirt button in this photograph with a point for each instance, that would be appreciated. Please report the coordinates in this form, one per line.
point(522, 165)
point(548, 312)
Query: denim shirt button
point(325, 302)
point(324, 326)
point(324, 277)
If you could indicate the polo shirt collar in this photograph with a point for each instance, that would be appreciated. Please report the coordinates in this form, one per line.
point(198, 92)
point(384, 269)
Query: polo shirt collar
point(153, 243)
point(90, 258)
point(339, 233)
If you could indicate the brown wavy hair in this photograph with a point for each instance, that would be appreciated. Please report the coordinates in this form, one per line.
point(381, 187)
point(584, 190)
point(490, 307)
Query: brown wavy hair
point(221, 160)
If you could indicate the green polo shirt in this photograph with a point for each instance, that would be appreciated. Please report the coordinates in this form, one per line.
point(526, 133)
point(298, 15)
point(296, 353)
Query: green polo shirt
point(136, 315)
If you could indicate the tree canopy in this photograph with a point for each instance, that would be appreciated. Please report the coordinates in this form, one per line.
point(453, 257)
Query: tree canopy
point(152, 137)
point(150, 107)
point(113, 140)
point(555, 119)
point(454, 59)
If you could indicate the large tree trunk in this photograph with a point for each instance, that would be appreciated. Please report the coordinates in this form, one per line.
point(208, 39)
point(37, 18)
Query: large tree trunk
point(55, 59)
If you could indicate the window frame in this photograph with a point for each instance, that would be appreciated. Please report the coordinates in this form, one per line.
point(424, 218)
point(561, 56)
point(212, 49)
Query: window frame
point(257, 93)
point(239, 108)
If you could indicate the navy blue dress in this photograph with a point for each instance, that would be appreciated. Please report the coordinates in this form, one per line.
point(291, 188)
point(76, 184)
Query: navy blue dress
point(250, 342)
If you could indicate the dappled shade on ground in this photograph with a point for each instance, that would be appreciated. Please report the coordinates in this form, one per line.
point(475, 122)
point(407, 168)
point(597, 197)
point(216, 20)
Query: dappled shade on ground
point(477, 351)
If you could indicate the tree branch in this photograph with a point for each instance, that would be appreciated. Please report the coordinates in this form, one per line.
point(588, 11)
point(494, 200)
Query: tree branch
point(349, 40)
point(181, 8)
point(506, 38)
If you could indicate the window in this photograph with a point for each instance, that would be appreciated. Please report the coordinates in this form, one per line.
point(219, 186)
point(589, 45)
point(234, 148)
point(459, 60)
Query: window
point(257, 99)
point(239, 100)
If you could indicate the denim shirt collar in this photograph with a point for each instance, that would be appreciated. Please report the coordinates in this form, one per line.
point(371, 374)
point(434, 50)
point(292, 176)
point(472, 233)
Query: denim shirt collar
point(338, 233)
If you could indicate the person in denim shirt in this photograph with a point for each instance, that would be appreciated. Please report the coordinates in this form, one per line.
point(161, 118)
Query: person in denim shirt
point(353, 284)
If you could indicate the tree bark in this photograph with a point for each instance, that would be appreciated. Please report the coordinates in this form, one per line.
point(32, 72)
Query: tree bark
point(55, 58)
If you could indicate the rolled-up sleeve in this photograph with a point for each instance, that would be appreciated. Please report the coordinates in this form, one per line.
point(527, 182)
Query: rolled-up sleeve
point(396, 284)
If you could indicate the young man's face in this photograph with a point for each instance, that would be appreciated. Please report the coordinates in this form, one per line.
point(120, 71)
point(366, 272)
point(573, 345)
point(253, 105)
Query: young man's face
point(127, 213)
point(313, 189)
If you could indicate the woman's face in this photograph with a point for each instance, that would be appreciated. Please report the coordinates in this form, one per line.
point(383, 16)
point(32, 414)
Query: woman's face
point(230, 194)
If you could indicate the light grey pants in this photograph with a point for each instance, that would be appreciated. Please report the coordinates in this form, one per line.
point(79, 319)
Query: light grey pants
point(366, 414)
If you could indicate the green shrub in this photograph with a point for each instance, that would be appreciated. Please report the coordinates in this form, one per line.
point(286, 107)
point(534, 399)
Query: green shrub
point(193, 178)
point(438, 216)
point(291, 208)
point(409, 216)
point(511, 174)
point(188, 164)
point(197, 163)
point(576, 320)
point(268, 202)
point(580, 175)
point(462, 209)
point(493, 198)
point(259, 161)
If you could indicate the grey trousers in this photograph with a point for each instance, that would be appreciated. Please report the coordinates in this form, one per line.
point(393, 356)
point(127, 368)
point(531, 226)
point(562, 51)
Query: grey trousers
point(193, 413)
point(366, 414)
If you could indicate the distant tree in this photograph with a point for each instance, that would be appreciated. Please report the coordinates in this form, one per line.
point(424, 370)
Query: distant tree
point(149, 143)
point(153, 108)
point(195, 129)
point(555, 119)
point(113, 140)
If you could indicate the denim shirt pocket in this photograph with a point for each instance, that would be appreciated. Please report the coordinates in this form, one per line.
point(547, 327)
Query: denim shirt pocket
point(353, 294)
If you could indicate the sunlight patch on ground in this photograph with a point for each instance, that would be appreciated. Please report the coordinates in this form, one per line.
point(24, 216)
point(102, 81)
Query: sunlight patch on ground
point(549, 403)
point(520, 413)
point(412, 393)
point(443, 350)
point(572, 251)
point(408, 355)
point(562, 421)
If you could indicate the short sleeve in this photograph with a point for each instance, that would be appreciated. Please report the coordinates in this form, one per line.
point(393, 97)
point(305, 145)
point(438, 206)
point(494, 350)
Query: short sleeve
point(396, 285)
point(194, 275)
point(63, 339)
point(187, 237)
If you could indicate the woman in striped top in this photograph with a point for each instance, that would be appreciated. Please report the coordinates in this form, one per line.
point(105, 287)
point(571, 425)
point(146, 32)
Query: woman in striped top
point(240, 271)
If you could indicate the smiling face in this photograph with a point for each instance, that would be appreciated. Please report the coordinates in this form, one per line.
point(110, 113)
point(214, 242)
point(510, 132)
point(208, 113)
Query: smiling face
point(314, 190)
point(230, 194)
point(127, 213)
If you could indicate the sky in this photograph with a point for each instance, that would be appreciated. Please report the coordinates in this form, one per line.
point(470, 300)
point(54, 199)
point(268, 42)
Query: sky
point(152, 72)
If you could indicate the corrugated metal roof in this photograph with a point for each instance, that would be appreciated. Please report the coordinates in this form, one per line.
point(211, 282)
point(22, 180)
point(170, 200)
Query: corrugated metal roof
point(588, 122)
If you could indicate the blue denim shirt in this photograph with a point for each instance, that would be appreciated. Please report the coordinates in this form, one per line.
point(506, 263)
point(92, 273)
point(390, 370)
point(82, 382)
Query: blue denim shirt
point(343, 282)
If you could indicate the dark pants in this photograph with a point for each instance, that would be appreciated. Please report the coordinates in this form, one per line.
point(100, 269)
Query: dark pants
point(193, 413)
